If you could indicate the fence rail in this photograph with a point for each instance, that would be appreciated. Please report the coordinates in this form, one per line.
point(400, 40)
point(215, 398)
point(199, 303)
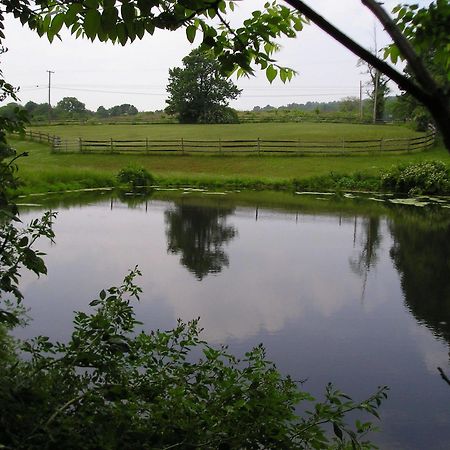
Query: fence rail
point(238, 146)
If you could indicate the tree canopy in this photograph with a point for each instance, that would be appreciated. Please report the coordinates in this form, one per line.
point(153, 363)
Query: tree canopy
point(71, 106)
point(198, 92)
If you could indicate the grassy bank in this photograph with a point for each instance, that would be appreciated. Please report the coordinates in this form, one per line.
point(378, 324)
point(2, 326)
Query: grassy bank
point(42, 171)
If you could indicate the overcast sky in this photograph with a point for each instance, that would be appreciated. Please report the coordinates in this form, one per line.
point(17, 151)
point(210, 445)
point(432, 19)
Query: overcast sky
point(105, 74)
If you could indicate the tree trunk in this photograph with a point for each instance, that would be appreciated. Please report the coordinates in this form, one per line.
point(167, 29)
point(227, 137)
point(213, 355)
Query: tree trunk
point(440, 110)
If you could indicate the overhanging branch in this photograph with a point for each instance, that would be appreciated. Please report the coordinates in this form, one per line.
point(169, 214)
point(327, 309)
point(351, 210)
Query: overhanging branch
point(418, 68)
point(403, 82)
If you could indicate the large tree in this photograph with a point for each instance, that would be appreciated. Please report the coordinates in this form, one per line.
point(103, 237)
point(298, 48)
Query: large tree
point(199, 92)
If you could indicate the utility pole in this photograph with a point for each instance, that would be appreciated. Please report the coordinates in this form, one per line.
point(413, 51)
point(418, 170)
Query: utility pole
point(375, 95)
point(360, 101)
point(49, 90)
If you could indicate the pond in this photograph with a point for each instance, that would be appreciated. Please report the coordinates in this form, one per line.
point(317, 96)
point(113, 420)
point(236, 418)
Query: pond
point(351, 291)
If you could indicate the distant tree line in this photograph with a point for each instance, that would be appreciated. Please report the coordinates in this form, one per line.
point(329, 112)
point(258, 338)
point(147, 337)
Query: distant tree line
point(394, 108)
point(69, 108)
point(391, 108)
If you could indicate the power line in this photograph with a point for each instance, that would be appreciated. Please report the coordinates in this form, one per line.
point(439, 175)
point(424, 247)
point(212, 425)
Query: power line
point(163, 94)
point(49, 90)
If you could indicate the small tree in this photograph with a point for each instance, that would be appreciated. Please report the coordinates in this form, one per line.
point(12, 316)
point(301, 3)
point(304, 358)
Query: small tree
point(349, 105)
point(377, 89)
point(102, 112)
point(71, 107)
point(198, 92)
point(123, 110)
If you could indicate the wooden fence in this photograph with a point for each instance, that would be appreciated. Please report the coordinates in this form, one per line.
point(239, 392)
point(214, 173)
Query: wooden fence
point(234, 147)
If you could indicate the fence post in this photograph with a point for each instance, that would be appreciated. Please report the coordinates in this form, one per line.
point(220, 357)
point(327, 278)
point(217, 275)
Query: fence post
point(343, 144)
point(112, 146)
point(220, 146)
point(381, 144)
point(146, 145)
point(258, 144)
point(408, 148)
point(40, 136)
point(182, 146)
point(80, 143)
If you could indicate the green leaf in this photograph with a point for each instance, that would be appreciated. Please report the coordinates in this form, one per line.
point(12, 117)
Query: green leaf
point(56, 24)
point(150, 27)
point(337, 431)
point(92, 23)
point(191, 30)
point(121, 33)
point(139, 29)
point(71, 13)
point(109, 19)
point(23, 242)
point(128, 12)
point(271, 73)
point(91, 4)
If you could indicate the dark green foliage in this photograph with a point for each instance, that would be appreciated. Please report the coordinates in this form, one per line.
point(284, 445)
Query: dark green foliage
point(39, 112)
point(199, 93)
point(122, 110)
point(71, 108)
point(338, 182)
point(428, 177)
point(135, 177)
point(113, 387)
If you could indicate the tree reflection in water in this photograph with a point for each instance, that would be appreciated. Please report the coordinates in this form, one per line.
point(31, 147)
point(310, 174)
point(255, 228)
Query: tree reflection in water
point(198, 234)
point(369, 239)
point(421, 255)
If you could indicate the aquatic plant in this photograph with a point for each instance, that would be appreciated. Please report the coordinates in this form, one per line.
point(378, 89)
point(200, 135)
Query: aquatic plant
point(427, 177)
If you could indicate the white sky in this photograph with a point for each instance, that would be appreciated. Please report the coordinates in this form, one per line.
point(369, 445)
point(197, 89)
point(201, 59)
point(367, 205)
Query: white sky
point(105, 74)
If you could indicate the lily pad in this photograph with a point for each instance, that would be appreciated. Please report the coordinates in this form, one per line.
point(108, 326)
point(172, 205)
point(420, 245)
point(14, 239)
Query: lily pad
point(409, 201)
point(315, 193)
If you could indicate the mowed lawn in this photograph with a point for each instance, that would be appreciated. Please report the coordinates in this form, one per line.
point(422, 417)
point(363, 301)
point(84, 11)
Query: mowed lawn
point(303, 130)
point(42, 169)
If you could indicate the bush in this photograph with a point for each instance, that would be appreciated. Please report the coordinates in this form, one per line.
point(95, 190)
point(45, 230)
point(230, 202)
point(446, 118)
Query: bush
point(113, 387)
point(135, 177)
point(338, 182)
point(428, 177)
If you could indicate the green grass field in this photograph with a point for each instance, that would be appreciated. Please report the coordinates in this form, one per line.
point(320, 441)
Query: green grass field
point(304, 131)
point(43, 171)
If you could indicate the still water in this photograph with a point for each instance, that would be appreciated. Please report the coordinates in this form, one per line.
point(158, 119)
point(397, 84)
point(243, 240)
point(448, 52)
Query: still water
point(350, 291)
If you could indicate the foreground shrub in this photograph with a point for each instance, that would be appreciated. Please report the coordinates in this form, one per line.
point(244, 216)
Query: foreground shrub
point(135, 177)
point(428, 177)
point(113, 387)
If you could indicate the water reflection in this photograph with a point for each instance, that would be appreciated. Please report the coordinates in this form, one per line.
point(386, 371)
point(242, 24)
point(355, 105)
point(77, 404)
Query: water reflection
point(288, 284)
point(198, 235)
point(367, 235)
point(421, 255)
